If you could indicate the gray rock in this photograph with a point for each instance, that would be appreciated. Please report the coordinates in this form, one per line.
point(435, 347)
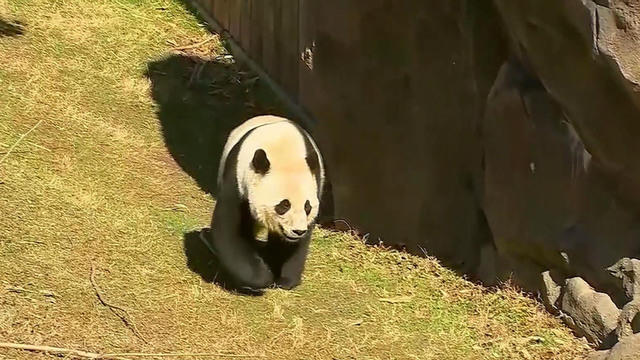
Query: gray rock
point(550, 292)
point(598, 355)
point(627, 349)
point(628, 320)
point(592, 314)
point(628, 272)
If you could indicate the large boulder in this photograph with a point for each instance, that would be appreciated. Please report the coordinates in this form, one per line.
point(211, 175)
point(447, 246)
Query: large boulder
point(628, 272)
point(627, 349)
point(629, 320)
point(590, 313)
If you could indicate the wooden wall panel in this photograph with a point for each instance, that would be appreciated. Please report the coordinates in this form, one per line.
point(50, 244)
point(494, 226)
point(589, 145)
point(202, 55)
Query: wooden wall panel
point(245, 25)
point(269, 52)
point(268, 31)
point(235, 11)
point(308, 85)
point(288, 38)
point(257, 15)
point(221, 12)
point(206, 4)
point(214, 11)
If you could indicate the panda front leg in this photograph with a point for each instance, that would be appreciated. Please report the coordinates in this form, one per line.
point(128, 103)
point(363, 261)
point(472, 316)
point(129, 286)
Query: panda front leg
point(240, 262)
point(293, 267)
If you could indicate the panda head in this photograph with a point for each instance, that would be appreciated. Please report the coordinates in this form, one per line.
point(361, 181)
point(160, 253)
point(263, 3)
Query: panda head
point(283, 196)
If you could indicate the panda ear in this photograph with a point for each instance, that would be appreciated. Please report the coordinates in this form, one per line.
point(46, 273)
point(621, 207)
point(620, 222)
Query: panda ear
point(260, 163)
point(312, 161)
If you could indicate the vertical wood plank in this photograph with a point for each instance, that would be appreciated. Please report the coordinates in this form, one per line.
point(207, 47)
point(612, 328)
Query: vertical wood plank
point(268, 38)
point(245, 25)
point(257, 14)
point(221, 13)
point(306, 38)
point(212, 9)
point(288, 38)
point(278, 47)
point(235, 9)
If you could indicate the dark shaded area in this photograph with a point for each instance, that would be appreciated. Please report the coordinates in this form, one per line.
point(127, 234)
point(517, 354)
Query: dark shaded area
point(14, 28)
point(201, 261)
point(199, 102)
point(398, 116)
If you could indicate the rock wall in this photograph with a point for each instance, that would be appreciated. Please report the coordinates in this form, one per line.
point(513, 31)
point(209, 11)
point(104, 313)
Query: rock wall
point(501, 136)
point(562, 174)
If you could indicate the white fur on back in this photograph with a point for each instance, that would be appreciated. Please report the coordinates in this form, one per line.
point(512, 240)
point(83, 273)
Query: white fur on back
point(268, 129)
point(285, 150)
point(238, 133)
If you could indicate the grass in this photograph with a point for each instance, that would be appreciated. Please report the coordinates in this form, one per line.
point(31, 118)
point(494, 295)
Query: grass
point(118, 175)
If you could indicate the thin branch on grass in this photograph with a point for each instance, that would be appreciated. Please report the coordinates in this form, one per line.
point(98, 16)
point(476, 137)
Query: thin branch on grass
point(19, 152)
point(116, 310)
point(19, 140)
point(40, 146)
point(183, 355)
point(58, 351)
point(121, 356)
point(194, 46)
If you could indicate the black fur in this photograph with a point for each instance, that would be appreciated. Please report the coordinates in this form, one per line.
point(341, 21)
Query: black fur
point(260, 162)
point(248, 265)
point(314, 163)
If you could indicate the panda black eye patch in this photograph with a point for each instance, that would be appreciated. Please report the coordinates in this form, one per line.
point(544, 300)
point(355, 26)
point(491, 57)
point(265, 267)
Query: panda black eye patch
point(307, 207)
point(283, 207)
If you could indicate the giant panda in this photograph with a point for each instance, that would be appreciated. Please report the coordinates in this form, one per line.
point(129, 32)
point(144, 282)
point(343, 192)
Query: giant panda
point(270, 181)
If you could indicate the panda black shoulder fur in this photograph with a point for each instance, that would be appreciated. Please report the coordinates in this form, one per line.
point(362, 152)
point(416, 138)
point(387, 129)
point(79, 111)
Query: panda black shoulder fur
point(269, 187)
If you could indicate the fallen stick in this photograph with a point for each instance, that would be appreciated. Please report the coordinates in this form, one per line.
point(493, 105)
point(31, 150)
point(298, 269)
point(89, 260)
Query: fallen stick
point(19, 140)
point(183, 355)
point(58, 351)
point(126, 318)
point(121, 356)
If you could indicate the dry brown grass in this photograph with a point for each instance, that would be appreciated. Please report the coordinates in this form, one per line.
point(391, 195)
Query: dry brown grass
point(96, 184)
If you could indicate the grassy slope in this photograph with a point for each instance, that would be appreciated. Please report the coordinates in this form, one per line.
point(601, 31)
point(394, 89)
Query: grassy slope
point(97, 183)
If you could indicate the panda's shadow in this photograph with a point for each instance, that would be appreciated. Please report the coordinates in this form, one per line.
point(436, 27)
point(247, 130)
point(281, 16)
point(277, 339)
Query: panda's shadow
point(198, 102)
point(201, 261)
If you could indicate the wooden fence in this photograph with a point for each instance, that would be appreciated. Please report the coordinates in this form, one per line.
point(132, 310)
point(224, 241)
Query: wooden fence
point(268, 31)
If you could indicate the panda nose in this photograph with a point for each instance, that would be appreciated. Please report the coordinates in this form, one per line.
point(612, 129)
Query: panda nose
point(299, 232)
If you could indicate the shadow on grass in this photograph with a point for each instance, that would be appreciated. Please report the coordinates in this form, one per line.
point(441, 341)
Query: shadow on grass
point(15, 28)
point(199, 102)
point(201, 261)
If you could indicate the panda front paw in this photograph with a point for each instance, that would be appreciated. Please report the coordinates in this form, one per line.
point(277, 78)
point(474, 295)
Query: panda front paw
point(286, 283)
point(245, 290)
